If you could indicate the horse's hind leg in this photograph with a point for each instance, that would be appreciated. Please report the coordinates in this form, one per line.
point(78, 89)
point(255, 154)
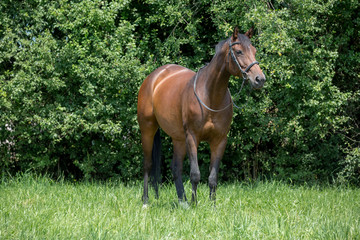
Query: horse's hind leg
point(148, 130)
point(177, 167)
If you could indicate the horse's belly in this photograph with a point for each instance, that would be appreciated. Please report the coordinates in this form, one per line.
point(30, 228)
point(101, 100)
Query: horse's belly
point(171, 125)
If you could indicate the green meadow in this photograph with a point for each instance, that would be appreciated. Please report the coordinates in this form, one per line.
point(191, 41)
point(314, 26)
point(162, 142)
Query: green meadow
point(41, 208)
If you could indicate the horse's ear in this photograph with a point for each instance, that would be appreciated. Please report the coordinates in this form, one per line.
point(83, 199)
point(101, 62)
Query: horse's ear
point(235, 33)
point(250, 32)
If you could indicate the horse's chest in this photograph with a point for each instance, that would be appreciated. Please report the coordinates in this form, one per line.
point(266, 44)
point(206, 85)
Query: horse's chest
point(212, 128)
point(208, 127)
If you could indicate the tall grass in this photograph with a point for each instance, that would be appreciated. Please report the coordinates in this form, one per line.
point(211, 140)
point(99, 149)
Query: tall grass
point(40, 208)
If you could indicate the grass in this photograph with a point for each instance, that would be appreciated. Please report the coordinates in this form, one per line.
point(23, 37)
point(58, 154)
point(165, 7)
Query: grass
point(39, 208)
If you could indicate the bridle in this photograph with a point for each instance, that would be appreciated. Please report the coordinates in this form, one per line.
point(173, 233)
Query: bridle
point(243, 72)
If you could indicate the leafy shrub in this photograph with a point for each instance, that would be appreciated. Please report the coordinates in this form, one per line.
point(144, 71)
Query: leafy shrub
point(70, 72)
point(350, 172)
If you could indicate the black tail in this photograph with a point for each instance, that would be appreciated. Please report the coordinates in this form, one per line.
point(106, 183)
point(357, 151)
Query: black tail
point(156, 162)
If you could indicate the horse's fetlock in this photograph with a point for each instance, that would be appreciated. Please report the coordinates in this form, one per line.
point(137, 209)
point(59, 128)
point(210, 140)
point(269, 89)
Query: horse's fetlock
point(195, 176)
point(212, 182)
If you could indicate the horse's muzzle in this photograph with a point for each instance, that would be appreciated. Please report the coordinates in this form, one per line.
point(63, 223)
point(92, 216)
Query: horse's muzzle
point(258, 82)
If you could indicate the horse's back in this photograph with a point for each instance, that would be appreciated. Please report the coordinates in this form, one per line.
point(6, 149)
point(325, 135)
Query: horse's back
point(164, 73)
point(170, 75)
point(160, 97)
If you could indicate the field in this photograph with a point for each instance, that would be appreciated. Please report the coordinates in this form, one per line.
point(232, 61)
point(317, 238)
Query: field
point(40, 208)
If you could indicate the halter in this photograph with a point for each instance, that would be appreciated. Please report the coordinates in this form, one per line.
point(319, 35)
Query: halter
point(243, 72)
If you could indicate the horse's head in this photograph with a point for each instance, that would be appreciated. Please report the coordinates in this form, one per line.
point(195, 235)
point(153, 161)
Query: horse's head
point(242, 59)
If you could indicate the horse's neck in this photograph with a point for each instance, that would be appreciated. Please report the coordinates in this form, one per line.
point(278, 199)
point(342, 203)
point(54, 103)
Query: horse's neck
point(214, 80)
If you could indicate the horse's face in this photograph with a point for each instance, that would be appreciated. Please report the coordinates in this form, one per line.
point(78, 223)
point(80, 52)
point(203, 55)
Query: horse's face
point(244, 53)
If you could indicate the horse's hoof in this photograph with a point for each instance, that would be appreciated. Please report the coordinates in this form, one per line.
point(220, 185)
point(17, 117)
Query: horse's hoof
point(145, 206)
point(184, 204)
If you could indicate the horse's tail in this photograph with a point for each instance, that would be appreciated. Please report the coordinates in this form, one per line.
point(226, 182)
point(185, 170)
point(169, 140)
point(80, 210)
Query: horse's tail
point(156, 162)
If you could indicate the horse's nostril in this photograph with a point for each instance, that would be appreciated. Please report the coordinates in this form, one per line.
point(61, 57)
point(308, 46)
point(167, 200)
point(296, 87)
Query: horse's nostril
point(259, 79)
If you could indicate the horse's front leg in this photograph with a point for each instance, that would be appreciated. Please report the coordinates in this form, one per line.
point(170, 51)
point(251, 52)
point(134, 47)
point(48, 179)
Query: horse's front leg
point(217, 148)
point(192, 145)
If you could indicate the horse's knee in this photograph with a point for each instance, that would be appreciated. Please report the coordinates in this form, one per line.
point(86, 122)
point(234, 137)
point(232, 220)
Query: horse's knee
point(195, 176)
point(213, 178)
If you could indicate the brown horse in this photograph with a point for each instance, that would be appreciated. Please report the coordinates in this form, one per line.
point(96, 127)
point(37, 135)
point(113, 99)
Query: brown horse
point(193, 107)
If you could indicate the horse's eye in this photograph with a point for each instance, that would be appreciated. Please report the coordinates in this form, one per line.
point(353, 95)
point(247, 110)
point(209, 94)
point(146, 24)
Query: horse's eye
point(239, 52)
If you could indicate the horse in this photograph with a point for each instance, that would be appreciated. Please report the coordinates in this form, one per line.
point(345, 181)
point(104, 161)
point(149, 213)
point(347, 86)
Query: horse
point(193, 107)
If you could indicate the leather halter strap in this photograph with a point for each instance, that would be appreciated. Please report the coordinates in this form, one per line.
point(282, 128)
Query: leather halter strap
point(244, 72)
point(202, 103)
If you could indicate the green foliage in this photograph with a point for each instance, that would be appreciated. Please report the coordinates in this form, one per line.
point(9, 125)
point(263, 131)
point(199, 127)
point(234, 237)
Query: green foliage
point(70, 88)
point(70, 72)
point(350, 172)
point(293, 130)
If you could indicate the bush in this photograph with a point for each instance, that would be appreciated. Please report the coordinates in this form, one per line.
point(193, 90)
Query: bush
point(70, 72)
point(350, 172)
